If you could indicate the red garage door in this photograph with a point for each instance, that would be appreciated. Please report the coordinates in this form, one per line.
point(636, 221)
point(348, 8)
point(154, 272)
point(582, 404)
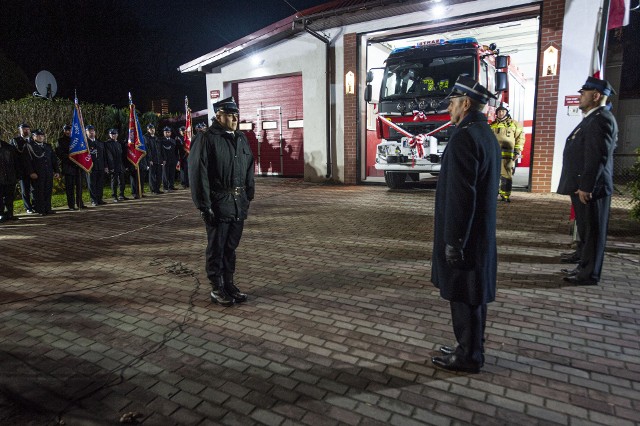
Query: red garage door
point(272, 110)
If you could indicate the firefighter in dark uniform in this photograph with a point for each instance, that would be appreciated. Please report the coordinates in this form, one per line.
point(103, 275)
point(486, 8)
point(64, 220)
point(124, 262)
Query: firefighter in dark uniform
point(156, 159)
point(71, 171)
point(11, 169)
point(170, 151)
point(95, 178)
point(221, 168)
point(45, 164)
point(183, 156)
point(464, 261)
point(587, 177)
point(113, 151)
point(20, 143)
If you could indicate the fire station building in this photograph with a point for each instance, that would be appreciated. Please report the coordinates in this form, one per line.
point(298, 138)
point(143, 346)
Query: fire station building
point(300, 83)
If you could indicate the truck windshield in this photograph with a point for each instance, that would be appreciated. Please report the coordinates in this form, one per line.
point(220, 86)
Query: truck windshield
point(422, 77)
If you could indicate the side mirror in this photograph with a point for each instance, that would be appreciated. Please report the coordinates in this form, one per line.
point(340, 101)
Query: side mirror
point(502, 81)
point(502, 62)
point(367, 92)
point(369, 76)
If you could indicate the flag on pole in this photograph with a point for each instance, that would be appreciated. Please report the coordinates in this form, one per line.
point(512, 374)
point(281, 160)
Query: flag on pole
point(136, 148)
point(618, 14)
point(78, 147)
point(187, 133)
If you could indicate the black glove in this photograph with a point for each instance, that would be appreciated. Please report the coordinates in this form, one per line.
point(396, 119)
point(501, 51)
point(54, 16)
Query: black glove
point(208, 217)
point(454, 257)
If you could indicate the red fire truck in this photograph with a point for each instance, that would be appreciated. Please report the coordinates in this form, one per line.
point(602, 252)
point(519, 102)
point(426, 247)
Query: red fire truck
point(415, 81)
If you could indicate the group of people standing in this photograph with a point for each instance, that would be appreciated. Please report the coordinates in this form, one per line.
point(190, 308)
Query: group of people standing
point(34, 163)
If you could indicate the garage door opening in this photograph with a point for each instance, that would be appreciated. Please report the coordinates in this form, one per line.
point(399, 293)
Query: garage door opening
point(517, 39)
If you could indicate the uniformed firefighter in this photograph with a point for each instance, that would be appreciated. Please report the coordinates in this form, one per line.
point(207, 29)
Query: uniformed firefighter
point(45, 164)
point(71, 171)
point(20, 142)
point(510, 136)
point(155, 155)
point(170, 152)
point(11, 169)
point(183, 155)
point(113, 151)
point(221, 168)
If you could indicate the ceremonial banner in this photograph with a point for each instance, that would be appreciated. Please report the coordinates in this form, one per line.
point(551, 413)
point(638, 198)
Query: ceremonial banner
point(136, 148)
point(78, 148)
point(187, 133)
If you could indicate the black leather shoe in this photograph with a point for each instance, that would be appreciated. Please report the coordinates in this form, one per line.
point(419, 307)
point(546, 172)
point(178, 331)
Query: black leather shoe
point(221, 298)
point(447, 350)
point(452, 363)
point(570, 272)
point(579, 281)
point(571, 259)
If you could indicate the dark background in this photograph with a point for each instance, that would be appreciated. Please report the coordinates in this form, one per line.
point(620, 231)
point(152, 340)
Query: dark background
point(105, 48)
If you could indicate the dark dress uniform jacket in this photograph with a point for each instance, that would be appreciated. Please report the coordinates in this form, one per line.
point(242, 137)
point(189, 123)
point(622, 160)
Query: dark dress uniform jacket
point(113, 149)
point(155, 153)
point(219, 162)
point(96, 148)
point(465, 213)
point(11, 164)
point(62, 151)
point(588, 156)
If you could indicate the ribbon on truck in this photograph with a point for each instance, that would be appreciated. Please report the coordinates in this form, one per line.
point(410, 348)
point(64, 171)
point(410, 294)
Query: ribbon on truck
point(415, 141)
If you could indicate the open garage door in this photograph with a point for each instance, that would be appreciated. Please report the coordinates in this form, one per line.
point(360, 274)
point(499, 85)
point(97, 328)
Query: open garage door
point(515, 34)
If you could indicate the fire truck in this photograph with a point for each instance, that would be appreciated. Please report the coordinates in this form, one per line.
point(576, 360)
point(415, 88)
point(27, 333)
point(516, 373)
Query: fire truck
point(413, 122)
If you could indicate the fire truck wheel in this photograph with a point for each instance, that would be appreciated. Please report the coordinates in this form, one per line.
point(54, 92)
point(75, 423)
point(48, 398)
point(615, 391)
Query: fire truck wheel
point(395, 180)
point(415, 177)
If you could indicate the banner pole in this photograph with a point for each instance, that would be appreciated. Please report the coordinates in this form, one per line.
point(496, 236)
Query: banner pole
point(139, 185)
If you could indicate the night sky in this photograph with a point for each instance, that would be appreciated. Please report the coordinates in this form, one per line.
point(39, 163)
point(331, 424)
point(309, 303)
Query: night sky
point(106, 48)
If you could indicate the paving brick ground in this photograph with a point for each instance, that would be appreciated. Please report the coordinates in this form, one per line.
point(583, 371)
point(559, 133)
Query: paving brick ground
point(105, 312)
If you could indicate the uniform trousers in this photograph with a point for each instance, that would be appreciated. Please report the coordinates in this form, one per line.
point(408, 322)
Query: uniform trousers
point(184, 173)
point(169, 176)
point(41, 191)
point(222, 241)
point(469, 322)
point(73, 189)
point(95, 182)
point(593, 221)
point(117, 184)
point(7, 195)
point(155, 177)
point(133, 176)
point(25, 190)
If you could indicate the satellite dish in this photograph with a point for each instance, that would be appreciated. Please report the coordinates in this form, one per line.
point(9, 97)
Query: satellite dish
point(46, 85)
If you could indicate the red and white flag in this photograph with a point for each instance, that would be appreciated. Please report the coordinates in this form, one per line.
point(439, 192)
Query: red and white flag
point(618, 14)
point(187, 132)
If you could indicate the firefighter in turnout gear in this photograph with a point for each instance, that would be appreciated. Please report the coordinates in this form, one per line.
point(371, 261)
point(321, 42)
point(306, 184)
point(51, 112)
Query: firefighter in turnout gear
point(510, 136)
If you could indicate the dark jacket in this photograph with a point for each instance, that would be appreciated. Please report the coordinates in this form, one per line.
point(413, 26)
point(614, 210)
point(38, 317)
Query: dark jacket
point(113, 151)
point(43, 159)
point(11, 164)
point(219, 162)
point(155, 152)
point(62, 151)
point(587, 160)
point(96, 148)
point(170, 151)
point(20, 143)
point(465, 213)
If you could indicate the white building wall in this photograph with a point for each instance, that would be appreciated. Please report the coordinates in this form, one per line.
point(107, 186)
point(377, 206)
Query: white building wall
point(576, 62)
point(302, 55)
point(306, 55)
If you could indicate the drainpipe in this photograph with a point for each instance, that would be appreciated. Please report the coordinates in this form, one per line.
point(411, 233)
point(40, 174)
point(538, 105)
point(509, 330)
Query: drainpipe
point(327, 43)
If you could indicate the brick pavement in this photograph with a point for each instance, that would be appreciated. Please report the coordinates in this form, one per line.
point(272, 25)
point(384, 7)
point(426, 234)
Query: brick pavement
point(105, 312)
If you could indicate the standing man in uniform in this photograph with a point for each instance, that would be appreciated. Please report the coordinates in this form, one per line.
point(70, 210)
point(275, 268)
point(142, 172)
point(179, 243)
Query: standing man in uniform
point(222, 185)
point(71, 171)
point(183, 156)
point(510, 136)
point(170, 152)
point(156, 159)
point(45, 164)
point(11, 168)
point(95, 179)
point(587, 177)
point(464, 261)
point(113, 150)
point(20, 142)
